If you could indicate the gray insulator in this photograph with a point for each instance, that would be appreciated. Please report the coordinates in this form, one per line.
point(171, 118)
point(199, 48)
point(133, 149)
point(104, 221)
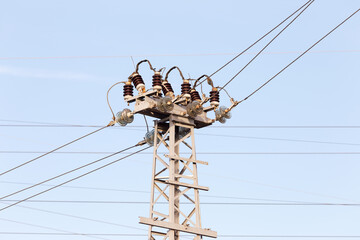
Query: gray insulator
point(149, 137)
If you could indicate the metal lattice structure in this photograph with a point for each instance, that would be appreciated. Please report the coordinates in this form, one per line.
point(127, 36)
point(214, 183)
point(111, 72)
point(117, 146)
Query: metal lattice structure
point(173, 177)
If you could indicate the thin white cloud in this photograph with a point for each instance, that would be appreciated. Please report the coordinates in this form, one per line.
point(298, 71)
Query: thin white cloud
point(46, 74)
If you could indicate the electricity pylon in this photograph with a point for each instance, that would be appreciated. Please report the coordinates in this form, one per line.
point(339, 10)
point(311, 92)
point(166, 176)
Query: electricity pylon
point(174, 174)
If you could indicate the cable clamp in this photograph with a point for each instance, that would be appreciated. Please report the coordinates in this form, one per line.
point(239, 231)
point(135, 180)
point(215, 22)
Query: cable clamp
point(111, 123)
point(233, 104)
point(143, 142)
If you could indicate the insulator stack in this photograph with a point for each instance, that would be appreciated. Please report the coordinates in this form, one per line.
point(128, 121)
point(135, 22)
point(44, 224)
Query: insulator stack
point(128, 91)
point(214, 98)
point(156, 81)
point(138, 82)
point(167, 89)
point(185, 89)
point(195, 96)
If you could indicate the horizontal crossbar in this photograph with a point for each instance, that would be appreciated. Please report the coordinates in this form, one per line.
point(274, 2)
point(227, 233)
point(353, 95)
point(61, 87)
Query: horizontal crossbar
point(183, 184)
point(179, 227)
point(186, 159)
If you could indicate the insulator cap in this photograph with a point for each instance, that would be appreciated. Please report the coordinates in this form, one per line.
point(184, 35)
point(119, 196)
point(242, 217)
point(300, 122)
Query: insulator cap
point(214, 98)
point(156, 81)
point(124, 117)
point(128, 91)
point(195, 96)
point(167, 89)
point(165, 104)
point(138, 81)
point(185, 89)
point(149, 137)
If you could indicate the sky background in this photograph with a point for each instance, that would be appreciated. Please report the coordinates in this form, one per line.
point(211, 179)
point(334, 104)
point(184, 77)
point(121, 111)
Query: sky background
point(58, 59)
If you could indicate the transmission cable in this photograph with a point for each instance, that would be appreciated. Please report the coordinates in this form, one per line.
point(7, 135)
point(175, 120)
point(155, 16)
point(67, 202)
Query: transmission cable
point(186, 203)
point(139, 191)
point(139, 126)
point(298, 57)
point(255, 42)
point(70, 171)
point(278, 139)
point(47, 153)
point(73, 179)
point(224, 135)
point(20, 121)
point(196, 54)
point(203, 153)
point(277, 35)
point(50, 228)
point(144, 235)
point(204, 196)
point(80, 217)
point(47, 124)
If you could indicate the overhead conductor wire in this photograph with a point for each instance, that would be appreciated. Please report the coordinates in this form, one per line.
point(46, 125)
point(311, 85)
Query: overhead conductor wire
point(51, 228)
point(68, 172)
point(140, 191)
point(266, 46)
point(49, 125)
point(142, 126)
point(277, 74)
point(261, 38)
point(196, 54)
point(186, 203)
point(75, 178)
point(209, 153)
point(47, 153)
point(79, 217)
point(220, 236)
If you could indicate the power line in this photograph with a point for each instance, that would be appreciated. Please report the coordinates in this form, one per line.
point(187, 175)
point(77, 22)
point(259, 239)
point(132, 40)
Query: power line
point(72, 234)
point(288, 126)
point(73, 179)
point(268, 185)
point(278, 139)
point(54, 126)
point(49, 125)
point(139, 191)
point(173, 55)
point(143, 235)
point(79, 217)
point(47, 228)
point(27, 162)
point(212, 196)
point(198, 153)
point(81, 187)
point(276, 36)
point(274, 139)
point(138, 126)
point(290, 236)
point(203, 203)
point(22, 121)
point(68, 172)
point(250, 137)
point(277, 74)
point(255, 42)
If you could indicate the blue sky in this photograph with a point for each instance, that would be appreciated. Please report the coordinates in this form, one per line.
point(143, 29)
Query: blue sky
point(58, 58)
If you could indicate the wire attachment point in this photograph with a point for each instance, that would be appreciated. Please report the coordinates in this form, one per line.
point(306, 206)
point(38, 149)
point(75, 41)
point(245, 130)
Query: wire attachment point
point(111, 123)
